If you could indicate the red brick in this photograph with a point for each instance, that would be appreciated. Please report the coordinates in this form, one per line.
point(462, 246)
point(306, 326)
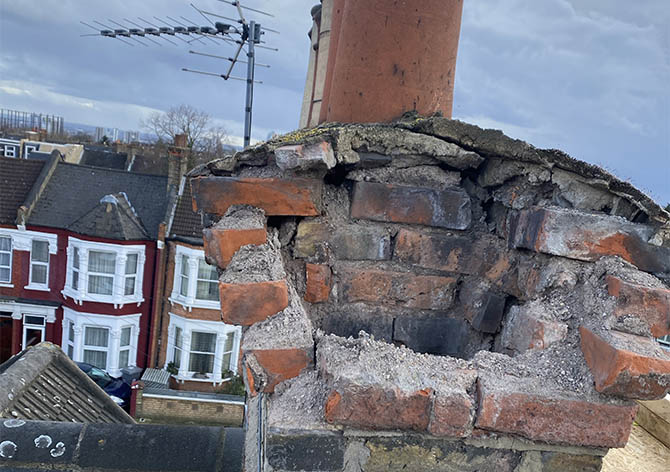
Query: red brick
point(378, 409)
point(248, 303)
point(397, 204)
point(251, 383)
point(550, 418)
point(319, 282)
point(624, 373)
point(485, 257)
point(397, 288)
point(222, 244)
point(651, 305)
point(524, 331)
point(277, 197)
point(279, 365)
point(452, 416)
point(587, 237)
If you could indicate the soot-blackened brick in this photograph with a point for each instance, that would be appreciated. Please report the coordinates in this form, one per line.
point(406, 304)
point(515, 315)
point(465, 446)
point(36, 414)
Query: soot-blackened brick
point(397, 204)
point(482, 307)
point(316, 452)
point(350, 320)
point(432, 335)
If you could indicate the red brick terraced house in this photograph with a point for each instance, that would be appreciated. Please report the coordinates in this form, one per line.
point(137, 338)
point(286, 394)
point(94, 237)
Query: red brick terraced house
point(194, 342)
point(78, 248)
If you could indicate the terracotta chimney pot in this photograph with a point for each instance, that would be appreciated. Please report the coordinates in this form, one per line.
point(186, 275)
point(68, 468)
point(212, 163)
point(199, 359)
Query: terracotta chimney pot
point(391, 56)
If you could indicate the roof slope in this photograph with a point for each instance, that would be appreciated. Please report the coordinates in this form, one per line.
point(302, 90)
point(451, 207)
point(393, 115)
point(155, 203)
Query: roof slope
point(17, 177)
point(74, 191)
point(113, 218)
point(42, 383)
point(186, 223)
point(103, 156)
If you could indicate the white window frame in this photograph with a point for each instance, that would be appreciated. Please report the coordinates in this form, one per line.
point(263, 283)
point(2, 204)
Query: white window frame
point(35, 285)
point(38, 327)
point(8, 148)
point(67, 339)
point(189, 301)
point(125, 347)
point(8, 283)
point(664, 341)
point(93, 348)
point(22, 240)
point(114, 324)
point(188, 326)
point(118, 297)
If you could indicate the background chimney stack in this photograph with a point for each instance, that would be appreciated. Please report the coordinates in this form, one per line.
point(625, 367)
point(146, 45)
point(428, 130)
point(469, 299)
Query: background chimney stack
point(372, 61)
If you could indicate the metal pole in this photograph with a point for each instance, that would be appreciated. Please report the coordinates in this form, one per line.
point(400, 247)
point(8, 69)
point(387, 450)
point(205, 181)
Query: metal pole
point(251, 41)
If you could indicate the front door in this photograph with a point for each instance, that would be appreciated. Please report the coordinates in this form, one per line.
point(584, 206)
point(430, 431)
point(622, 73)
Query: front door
point(5, 336)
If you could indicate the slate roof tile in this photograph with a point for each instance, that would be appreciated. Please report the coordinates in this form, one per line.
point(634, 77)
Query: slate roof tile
point(17, 177)
point(75, 190)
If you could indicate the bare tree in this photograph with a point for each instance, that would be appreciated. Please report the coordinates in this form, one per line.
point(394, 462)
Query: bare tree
point(183, 119)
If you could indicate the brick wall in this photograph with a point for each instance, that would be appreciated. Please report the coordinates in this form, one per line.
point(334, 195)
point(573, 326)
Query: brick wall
point(431, 278)
point(157, 408)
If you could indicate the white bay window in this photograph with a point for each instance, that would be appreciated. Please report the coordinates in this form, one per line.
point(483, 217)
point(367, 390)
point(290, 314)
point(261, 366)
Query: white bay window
point(103, 272)
point(196, 283)
point(105, 341)
point(202, 350)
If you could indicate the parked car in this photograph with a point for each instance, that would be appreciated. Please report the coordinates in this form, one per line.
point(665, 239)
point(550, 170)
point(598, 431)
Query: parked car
point(116, 388)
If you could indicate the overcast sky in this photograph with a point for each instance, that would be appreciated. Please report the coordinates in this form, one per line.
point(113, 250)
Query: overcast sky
point(590, 77)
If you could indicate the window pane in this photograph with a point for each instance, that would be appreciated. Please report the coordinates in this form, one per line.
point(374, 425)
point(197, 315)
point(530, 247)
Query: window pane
point(75, 258)
point(96, 358)
point(203, 363)
point(177, 337)
point(100, 284)
point(203, 342)
point(228, 343)
point(207, 291)
point(225, 362)
point(206, 271)
point(131, 264)
point(5, 244)
point(176, 357)
point(123, 358)
point(125, 336)
point(70, 352)
point(39, 275)
point(75, 279)
point(40, 252)
point(70, 331)
point(184, 266)
point(4, 275)
point(96, 337)
point(183, 288)
point(4, 259)
point(102, 262)
point(34, 320)
point(130, 286)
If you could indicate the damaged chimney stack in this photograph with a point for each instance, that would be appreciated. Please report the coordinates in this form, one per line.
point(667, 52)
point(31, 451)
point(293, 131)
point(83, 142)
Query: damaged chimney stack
point(365, 52)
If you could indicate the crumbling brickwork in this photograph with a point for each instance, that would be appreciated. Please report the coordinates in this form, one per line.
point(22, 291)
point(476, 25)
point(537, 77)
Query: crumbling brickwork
point(427, 295)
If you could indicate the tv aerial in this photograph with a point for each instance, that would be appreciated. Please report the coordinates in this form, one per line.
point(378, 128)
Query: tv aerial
point(242, 33)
